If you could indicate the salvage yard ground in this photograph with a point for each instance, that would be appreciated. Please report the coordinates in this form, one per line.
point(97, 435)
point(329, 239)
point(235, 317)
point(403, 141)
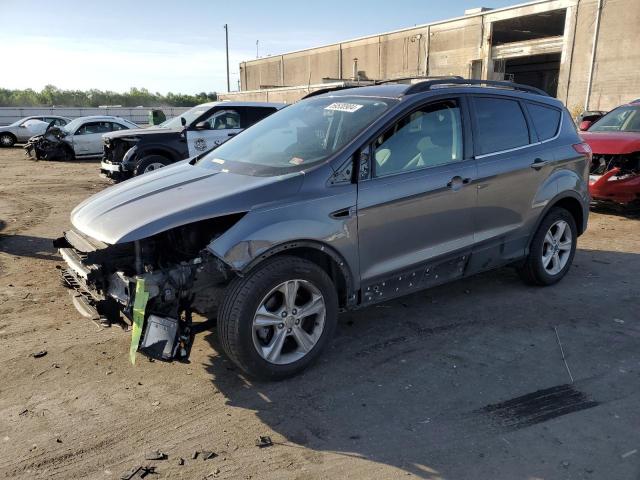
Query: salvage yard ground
point(465, 381)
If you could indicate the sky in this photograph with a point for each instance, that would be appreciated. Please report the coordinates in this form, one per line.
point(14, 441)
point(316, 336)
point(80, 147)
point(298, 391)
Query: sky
point(174, 46)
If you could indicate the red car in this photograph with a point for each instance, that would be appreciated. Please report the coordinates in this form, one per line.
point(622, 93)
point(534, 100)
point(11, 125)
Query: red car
point(615, 142)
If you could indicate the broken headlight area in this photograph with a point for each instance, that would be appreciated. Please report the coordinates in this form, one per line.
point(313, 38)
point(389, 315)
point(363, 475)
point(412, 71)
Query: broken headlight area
point(49, 146)
point(172, 272)
point(615, 178)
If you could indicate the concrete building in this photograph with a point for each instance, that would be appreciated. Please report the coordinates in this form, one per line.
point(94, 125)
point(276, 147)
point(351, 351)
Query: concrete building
point(585, 52)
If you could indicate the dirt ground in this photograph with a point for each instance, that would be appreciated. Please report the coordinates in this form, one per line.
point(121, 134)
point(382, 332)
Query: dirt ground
point(465, 381)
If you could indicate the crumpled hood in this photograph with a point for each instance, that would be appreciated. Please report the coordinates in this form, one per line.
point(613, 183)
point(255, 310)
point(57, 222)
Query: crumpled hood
point(612, 143)
point(172, 196)
point(140, 132)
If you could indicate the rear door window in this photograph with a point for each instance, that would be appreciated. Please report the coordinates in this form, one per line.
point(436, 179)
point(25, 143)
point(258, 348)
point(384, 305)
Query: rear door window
point(500, 125)
point(546, 120)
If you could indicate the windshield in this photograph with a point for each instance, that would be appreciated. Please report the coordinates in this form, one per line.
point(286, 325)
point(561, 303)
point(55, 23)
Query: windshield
point(622, 119)
point(189, 116)
point(298, 136)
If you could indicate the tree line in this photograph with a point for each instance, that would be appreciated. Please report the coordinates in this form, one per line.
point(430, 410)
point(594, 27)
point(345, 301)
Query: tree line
point(53, 96)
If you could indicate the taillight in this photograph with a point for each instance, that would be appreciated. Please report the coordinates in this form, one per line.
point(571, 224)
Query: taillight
point(584, 149)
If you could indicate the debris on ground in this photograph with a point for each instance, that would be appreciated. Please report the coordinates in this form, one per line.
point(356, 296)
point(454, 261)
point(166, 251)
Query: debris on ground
point(24, 412)
point(194, 455)
point(208, 455)
point(180, 461)
point(39, 354)
point(263, 442)
point(155, 455)
point(138, 472)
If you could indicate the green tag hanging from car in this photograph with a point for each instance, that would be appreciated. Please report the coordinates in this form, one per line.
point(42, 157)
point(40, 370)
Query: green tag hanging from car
point(139, 307)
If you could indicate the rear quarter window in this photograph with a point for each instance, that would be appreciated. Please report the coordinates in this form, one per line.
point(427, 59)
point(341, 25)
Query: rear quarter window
point(546, 120)
point(500, 125)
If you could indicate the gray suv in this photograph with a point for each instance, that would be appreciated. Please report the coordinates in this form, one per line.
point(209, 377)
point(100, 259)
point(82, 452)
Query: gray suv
point(342, 200)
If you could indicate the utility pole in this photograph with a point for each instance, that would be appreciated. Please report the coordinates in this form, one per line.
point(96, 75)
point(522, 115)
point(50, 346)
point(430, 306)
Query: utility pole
point(257, 51)
point(226, 35)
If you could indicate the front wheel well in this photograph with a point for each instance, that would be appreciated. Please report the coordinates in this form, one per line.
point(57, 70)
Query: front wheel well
point(155, 151)
point(574, 207)
point(332, 264)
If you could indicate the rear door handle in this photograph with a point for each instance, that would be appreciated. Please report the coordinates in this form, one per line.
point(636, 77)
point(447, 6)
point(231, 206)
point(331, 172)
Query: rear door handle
point(457, 182)
point(538, 163)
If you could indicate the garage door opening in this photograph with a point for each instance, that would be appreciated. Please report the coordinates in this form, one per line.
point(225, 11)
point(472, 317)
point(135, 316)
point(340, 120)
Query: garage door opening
point(540, 71)
point(529, 27)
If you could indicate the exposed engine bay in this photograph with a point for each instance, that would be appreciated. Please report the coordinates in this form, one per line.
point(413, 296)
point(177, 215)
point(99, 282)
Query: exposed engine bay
point(50, 145)
point(615, 178)
point(172, 271)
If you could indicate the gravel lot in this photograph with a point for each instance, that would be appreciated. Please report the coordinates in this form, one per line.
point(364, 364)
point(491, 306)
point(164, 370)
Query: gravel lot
point(464, 381)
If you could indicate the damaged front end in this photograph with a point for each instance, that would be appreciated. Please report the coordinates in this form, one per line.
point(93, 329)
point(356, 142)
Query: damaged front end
point(615, 178)
point(51, 145)
point(154, 284)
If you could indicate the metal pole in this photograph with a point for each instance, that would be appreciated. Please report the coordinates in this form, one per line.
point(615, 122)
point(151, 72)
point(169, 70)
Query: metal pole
point(593, 55)
point(226, 35)
point(257, 51)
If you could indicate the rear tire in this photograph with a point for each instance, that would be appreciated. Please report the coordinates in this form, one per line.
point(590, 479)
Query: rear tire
point(552, 249)
point(150, 163)
point(7, 140)
point(255, 314)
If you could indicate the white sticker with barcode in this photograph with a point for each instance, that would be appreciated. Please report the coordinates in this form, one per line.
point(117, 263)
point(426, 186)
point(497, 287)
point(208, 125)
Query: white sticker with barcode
point(344, 107)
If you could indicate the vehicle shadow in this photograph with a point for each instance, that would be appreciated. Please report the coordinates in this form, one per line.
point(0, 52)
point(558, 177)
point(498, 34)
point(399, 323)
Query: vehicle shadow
point(27, 246)
point(404, 383)
point(632, 213)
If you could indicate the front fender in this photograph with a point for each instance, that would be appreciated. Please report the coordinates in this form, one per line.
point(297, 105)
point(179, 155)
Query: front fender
point(303, 224)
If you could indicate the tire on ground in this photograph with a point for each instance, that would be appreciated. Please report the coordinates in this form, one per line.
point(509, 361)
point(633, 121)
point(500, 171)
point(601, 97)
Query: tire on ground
point(533, 271)
point(145, 162)
point(7, 140)
point(235, 317)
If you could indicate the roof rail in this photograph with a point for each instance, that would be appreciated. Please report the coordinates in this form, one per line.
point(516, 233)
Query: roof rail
point(326, 90)
point(418, 77)
point(425, 86)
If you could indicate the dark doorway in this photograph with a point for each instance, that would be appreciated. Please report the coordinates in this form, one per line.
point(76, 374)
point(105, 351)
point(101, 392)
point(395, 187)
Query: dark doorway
point(540, 71)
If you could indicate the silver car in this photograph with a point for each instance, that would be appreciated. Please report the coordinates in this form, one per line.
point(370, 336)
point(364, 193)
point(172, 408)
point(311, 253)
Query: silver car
point(22, 130)
point(340, 201)
point(80, 138)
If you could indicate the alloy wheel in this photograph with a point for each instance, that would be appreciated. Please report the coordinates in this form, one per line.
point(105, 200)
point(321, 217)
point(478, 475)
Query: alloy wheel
point(289, 322)
point(556, 247)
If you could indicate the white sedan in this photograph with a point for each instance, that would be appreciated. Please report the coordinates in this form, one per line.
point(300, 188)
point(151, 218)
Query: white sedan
point(80, 138)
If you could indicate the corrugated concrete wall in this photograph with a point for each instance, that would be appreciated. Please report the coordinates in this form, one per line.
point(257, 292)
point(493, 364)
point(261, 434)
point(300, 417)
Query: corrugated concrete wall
point(137, 115)
point(450, 47)
point(616, 73)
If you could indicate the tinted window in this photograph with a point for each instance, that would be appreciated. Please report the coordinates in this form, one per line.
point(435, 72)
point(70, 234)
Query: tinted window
point(223, 120)
point(254, 115)
point(94, 127)
point(116, 126)
point(429, 137)
point(500, 125)
point(545, 120)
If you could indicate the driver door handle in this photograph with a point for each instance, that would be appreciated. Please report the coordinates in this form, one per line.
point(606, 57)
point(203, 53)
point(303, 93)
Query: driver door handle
point(538, 163)
point(457, 182)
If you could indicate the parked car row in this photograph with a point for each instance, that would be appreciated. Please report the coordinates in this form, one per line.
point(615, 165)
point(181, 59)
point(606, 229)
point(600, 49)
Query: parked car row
point(342, 200)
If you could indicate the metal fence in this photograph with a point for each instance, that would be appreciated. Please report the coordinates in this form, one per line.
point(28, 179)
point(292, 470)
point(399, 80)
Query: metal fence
point(135, 114)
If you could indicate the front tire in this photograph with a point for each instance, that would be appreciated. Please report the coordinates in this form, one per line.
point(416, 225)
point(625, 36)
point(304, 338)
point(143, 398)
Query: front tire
point(552, 249)
point(150, 163)
point(275, 321)
point(7, 140)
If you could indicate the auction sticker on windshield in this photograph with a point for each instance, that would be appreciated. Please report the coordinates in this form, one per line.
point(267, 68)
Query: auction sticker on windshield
point(344, 107)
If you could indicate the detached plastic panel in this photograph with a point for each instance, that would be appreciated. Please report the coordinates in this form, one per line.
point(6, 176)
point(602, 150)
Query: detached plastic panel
point(160, 338)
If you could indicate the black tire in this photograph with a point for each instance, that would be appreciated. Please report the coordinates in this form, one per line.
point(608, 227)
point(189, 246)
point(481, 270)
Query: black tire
point(242, 300)
point(7, 140)
point(533, 271)
point(144, 164)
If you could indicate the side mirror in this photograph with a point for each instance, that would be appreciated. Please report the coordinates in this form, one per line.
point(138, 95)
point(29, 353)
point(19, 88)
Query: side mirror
point(202, 126)
point(584, 125)
point(183, 122)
